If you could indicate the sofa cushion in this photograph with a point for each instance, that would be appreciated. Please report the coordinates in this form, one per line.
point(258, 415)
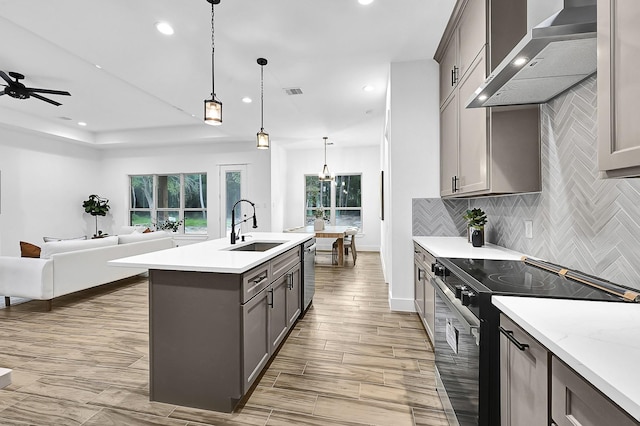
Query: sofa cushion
point(136, 237)
point(48, 239)
point(29, 250)
point(52, 247)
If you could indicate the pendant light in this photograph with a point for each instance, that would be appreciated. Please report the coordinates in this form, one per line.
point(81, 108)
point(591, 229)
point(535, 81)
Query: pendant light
point(213, 106)
point(324, 175)
point(263, 137)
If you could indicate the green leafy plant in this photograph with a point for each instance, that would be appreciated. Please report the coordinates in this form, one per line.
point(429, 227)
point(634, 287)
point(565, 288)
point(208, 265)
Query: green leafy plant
point(96, 206)
point(169, 225)
point(475, 218)
point(318, 213)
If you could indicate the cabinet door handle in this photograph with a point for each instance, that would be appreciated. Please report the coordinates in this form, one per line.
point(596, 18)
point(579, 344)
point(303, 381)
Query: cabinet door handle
point(509, 335)
point(420, 271)
point(271, 303)
point(454, 75)
point(454, 184)
point(290, 281)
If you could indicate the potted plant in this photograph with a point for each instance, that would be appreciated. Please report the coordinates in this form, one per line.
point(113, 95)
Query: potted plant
point(318, 224)
point(476, 219)
point(96, 206)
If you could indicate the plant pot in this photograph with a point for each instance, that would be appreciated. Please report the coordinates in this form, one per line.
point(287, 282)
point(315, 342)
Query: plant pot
point(477, 236)
point(318, 224)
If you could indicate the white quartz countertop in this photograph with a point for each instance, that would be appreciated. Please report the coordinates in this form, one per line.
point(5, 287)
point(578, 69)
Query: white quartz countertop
point(214, 255)
point(599, 340)
point(458, 247)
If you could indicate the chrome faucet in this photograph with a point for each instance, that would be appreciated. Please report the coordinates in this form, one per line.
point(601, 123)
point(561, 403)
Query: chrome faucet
point(234, 237)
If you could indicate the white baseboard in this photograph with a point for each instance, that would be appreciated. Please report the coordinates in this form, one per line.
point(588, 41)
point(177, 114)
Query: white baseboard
point(402, 305)
point(5, 377)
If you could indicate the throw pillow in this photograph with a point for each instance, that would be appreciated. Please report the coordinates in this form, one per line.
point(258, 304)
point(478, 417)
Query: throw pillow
point(29, 250)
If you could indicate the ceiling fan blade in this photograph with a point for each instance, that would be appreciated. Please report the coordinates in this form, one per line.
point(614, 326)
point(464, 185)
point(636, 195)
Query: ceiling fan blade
point(5, 77)
point(42, 98)
point(53, 92)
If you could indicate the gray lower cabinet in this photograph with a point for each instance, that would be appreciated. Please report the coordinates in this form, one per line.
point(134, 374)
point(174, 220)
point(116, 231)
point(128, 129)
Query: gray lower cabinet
point(278, 321)
point(211, 334)
point(575, 402)
point(294, 305)
point(424, 292)
point(256, 337)
point(523, 377)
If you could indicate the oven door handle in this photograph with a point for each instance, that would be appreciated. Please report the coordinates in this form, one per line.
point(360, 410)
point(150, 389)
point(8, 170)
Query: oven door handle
point(509, 335)
point(469, 327)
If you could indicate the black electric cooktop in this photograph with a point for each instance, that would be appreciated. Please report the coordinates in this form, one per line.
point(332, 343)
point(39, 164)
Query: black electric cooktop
point(518, 278)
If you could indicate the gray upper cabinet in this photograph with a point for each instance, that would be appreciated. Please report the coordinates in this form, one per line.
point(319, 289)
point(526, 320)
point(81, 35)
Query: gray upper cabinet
point(618, 88)
point(483, 150)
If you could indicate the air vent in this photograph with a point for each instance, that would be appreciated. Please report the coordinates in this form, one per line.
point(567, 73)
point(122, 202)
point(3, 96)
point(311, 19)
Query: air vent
point(293, 91)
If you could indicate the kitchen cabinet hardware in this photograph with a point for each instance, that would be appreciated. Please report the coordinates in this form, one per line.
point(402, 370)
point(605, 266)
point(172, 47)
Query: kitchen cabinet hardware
point(271, 292)
point(509, 335)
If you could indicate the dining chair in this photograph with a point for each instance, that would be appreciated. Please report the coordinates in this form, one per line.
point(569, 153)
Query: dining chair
point(350, 242)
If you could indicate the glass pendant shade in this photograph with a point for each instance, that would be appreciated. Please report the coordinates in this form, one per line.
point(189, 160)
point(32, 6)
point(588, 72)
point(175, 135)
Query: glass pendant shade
point(213, 111)
point(263, 139)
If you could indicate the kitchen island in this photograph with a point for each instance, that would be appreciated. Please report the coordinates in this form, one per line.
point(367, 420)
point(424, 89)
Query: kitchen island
point(217, 313)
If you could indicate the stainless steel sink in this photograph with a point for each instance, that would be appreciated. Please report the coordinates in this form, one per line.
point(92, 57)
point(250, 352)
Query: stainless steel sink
point(257, 246)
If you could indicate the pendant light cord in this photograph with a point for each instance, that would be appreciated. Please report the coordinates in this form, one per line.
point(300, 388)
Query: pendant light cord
point(213, 51)
point(261, 97)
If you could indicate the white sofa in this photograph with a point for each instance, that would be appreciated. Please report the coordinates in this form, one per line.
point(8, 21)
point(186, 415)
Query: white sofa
point(69, 266)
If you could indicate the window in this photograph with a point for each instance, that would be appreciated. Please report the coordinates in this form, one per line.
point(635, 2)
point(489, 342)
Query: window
point(340, 201)
point(165, 199)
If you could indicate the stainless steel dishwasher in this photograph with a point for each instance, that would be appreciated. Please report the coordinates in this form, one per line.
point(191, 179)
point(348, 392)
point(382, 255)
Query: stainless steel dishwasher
point(308, 273)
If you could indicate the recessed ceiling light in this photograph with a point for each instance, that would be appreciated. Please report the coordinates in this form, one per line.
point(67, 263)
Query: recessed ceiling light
point(247, 100)
point(82, 123)
point(520, 61)
point(365, 2)
point(98, 66)
point(164, 28)
point(368, 88)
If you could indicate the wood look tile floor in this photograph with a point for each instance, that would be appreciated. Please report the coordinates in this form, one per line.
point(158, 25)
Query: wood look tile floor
point(349, 361)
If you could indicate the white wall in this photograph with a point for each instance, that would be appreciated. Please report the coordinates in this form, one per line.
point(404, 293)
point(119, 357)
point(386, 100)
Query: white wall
point(365, 160)
point(44, 182)
point(412, 164)
point(278, 186)
point(118, 164)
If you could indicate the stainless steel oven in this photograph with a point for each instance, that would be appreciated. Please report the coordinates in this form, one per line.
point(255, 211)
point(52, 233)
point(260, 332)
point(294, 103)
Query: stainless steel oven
point(457, 350)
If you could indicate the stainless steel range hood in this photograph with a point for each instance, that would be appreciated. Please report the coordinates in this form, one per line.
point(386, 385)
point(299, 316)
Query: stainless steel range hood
point(554, 55)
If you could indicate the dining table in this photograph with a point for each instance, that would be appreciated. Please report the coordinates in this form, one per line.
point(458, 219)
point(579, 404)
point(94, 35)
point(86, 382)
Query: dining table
point(329, 231)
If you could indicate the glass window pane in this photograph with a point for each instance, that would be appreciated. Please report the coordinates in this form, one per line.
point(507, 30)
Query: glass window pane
point(195, 191)
point(349, 218)
point(168, 192)
point(348, 191)
point(195, 222)
point(234, 193)
point(140, 218)
point(141, 192)
point(167, 220)
point(318, 193)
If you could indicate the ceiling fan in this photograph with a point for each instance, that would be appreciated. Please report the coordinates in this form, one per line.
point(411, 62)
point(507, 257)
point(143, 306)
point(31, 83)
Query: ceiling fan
point(17, 90)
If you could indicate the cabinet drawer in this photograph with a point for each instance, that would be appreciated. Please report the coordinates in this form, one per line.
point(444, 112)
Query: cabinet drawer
point(255, 280)
point(424, 259)
point(284, 262)
point(576, 402)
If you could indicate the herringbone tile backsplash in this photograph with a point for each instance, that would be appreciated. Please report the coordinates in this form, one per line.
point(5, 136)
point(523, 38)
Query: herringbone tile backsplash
point(579, 220)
